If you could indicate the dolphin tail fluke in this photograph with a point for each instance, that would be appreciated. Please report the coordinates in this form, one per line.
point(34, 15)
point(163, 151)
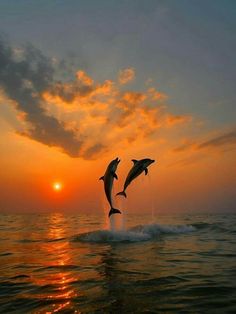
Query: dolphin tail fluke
point(122, 193)
point(114, 211)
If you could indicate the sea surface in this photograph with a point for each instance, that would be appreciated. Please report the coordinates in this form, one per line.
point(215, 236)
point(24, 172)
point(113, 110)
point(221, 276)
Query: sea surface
point(59, 263)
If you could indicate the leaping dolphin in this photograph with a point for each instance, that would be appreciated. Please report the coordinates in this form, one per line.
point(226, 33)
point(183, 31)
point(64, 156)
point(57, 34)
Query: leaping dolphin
point(108, 179)
point(138, 167)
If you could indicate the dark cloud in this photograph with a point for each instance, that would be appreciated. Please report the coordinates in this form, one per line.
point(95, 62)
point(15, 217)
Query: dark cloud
point(183, 147)
point(224, 139)
point(24, 75)
point(79, 116)
point(191, 160)
point(68, 92)
point(94, 151)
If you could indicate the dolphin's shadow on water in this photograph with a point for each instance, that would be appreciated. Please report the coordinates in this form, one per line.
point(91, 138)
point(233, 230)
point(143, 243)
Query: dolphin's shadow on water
point(118, 281)
point(110, 272)
point(133, 269)
point(129, 279)
point(134, 272)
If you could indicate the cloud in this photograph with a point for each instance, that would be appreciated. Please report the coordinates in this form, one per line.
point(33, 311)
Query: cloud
point(228, 138)
point(156, 95)
point(186, 145)
point(94, 151)
point(222, 140)
point(80, 116)
point(24, 75)
point(177, 119)
point(126, 76)
point(190, 160)
point(84, 78)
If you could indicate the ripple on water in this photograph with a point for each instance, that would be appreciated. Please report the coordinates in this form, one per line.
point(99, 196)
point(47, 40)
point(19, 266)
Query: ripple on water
point(165, 268)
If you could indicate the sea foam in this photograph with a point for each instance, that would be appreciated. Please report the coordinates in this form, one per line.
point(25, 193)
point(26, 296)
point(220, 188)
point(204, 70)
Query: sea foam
point(135, 234)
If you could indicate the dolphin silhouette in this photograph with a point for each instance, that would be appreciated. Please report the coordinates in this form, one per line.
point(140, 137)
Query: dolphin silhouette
point(138, 167)
point(108, 179)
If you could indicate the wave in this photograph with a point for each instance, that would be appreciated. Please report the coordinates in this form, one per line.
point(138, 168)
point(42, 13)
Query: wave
point(201, 225)
point(213, 227)
point(156, 229)
point(111, 236)
point(57, 268)
point(40, 240)
point(135, 234)
point(5, 254)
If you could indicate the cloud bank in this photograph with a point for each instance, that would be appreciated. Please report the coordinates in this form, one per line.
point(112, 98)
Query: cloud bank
point(197, 150)
point(24, 75)
point(81, 117)
point(228, 138)
point(222, 140)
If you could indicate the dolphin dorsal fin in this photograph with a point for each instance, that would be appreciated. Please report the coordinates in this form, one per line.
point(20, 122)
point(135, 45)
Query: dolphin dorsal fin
point(134, 161)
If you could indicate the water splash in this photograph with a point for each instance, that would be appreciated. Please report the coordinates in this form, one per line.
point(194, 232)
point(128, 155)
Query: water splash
point(152, 206)
point(135, 234)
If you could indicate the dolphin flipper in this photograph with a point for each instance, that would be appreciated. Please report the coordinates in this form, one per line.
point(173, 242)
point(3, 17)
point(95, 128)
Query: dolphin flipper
point(115, 175)
point(146, 171)
point(101, 178)
point(122, 193)
point(114, 211)
point(134, 161)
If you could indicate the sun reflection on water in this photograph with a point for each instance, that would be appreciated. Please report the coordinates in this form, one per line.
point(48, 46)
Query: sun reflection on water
point(58, 276)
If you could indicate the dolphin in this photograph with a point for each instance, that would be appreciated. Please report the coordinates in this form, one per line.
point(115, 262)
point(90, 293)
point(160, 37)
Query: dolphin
point(108, 179)
point(138, 167)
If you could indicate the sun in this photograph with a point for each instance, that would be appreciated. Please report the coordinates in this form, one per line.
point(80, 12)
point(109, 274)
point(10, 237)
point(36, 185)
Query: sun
point(57, 186)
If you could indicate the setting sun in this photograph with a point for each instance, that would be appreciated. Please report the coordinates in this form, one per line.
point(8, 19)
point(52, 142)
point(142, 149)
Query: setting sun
point(57, 186)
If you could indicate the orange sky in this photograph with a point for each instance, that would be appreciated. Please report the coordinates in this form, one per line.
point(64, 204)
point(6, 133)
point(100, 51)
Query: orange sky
point(69, 130)
point(192, 173)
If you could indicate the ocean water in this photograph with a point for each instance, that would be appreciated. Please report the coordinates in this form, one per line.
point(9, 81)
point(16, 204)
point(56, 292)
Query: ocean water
point(58, 263)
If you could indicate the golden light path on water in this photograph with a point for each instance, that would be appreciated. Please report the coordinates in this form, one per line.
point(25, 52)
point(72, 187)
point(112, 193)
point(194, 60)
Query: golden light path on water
point(59, 260)
point(55, 263)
